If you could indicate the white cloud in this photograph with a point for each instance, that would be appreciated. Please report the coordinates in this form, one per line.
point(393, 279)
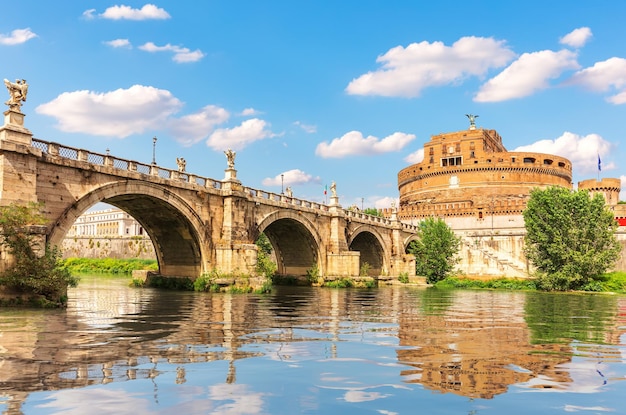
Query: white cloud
point(193, 128)
point(582, 151)
point(248, 112)
point(291, 178)
point(353, 143)
point(16, 37)
point(119, 43)
point(407, 71)
point(385, 202)
point(577, 37)
point(527, 75)
point(118, 113)
point(604, 76)
point(147, 12)
point(239, 137)
point(181, 54)
point(415, 157)
point(306, 127)
point(622, 195)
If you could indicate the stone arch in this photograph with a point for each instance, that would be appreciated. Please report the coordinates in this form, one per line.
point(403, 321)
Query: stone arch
point(369, 242)
point(181, 240)
point(296, 242)
point(407, 241)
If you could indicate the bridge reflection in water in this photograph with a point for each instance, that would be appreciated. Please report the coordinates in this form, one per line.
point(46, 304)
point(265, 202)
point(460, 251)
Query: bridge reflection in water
point(472, 344)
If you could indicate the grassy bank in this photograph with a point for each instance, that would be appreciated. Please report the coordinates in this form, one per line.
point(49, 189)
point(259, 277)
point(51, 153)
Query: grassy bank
point(614, 282)
point(108, 265)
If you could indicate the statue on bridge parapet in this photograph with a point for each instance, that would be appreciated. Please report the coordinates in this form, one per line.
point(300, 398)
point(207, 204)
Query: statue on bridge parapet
point(230, 157)
point(181, 163)
point(17, 93)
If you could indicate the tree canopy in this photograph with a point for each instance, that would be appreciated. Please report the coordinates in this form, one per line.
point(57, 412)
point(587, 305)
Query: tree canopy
point(570, 237)
point(435, 251)
point(33, 273)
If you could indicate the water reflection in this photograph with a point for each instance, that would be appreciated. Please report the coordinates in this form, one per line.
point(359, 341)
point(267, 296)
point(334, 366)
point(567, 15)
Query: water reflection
point(302, 349)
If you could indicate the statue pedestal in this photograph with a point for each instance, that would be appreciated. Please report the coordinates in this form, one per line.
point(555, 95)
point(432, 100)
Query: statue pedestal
point(14, 130)
point(231, 175)
point(334, 200)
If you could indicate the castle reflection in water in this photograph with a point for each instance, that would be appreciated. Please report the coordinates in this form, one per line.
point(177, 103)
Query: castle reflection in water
point(474, 344)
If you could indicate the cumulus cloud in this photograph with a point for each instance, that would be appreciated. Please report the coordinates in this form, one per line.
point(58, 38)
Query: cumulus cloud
point(527, 75)
point(385, 202)
point(248, 112)
point(577, 37)
point(193, 128)
point(407, 71)
point(147, 12)
point(181, 54)
point(582, 151)
point(17, 37)
point(608, 75)
point(118, 113)
point(416, 157)
point(353, 143)
point(306, 127)
point(239, 137)
point(119, 43)
point(291, 178)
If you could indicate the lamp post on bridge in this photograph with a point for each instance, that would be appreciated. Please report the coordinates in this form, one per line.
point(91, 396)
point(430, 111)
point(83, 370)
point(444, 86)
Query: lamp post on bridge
point(154, 140)
point(282, 184)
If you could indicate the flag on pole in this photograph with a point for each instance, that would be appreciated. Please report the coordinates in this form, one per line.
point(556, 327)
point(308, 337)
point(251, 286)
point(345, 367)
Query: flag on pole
point(599, 163)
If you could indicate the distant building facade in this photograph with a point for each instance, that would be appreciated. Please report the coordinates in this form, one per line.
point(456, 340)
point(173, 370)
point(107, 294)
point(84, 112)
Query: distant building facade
point(108, 233)
point(107, 222)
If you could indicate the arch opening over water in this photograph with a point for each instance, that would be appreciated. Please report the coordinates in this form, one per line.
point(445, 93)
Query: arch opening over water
point(296, 249)
point(372, 252)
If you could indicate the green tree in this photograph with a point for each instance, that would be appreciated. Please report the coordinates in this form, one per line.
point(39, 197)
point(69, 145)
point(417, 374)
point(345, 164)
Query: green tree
point(436, 249)
point(570, 237)
point(265, 265)
point(373, 212)
point(32, 273)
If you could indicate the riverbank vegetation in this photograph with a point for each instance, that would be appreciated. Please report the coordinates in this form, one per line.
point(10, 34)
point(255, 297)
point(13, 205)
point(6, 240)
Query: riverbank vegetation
point(612, 282)
point(36, 277)
point(108, 265)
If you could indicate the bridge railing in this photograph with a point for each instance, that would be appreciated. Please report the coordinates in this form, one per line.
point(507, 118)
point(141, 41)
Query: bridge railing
point(59, 150)
point(265, 195)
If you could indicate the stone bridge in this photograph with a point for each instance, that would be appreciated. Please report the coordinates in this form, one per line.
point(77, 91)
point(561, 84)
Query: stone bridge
point(197, 224)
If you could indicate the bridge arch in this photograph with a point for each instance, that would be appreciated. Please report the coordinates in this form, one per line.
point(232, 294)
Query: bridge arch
point(408, 240)
point(181, 240)
point(296, 242)
point(369, 242)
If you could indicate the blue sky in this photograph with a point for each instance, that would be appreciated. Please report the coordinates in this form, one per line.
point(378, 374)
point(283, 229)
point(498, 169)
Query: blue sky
point(321, 91)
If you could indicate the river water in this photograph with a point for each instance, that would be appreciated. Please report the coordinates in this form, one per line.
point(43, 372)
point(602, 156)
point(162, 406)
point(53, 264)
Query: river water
point(300, 350)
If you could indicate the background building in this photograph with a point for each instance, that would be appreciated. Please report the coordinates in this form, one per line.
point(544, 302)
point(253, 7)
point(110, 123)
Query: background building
point(470, 180)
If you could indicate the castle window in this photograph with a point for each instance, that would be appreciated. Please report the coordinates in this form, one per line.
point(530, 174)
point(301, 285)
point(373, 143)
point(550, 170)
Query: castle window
point(471, 145)
point(529, 160)
point(561, 164)
point(432, 160)
point(513, 159)
point(458, 147)
point(547, 161)
point(472, 155)
point(431, 151)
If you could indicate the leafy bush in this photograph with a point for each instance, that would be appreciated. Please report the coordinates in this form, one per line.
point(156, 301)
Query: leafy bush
point(403, 277)
point(32, 273)
point(570, 238)
point(435, 251)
